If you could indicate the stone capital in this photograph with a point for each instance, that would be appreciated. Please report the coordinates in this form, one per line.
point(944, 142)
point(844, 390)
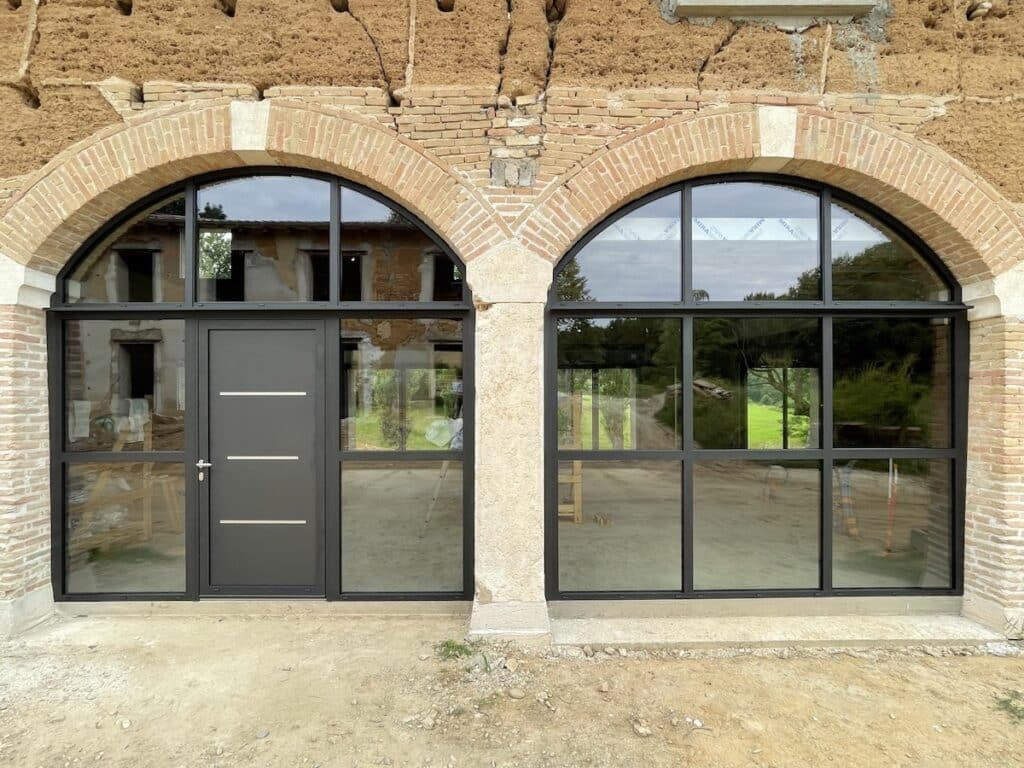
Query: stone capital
point(24, 286)
point(509, 273)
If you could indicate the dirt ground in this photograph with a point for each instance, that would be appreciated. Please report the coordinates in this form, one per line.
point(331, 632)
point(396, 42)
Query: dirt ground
point(330, 690)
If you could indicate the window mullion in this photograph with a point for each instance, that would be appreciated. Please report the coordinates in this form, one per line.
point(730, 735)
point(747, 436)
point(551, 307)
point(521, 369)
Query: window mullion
point(334, 245)
point(686, 238)
point(826, 445)
point(191, 273)
point(825, 244)
point(687, 468)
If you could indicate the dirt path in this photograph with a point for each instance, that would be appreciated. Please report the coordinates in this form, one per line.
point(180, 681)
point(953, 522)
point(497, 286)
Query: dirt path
point(336, 691)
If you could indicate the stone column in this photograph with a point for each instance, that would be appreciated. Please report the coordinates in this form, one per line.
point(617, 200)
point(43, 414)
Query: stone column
point(994, 526)
point(25, 593)
point(510, 286)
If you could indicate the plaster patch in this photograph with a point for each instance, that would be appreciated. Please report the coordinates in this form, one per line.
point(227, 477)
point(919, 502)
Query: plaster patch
point(777, 126)
point(249, 123)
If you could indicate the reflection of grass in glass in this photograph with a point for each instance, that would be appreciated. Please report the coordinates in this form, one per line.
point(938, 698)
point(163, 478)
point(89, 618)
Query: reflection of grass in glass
point(604, 438)
point(422, 414)
point(764, 427)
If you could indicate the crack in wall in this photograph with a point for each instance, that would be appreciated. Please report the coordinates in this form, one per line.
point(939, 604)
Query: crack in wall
point(826, 51)
point(24, 84)
point(376, 49)
point(722, 45)
point(410, 61)
point(503, 50)
point(556, 10)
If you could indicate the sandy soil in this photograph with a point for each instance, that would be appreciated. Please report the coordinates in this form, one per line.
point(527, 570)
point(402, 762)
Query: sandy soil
point(331, 690)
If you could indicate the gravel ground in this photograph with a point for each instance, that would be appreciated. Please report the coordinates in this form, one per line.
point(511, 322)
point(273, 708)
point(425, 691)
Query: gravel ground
point(369, 691)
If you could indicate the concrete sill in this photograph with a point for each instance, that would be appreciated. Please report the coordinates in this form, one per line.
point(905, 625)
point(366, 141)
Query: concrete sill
point(773, 8)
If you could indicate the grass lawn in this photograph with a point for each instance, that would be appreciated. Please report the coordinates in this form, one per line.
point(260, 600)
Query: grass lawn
point(604, 437)
point(764, 427)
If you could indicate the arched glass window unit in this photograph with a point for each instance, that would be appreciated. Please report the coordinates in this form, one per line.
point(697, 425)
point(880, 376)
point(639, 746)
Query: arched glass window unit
point(261, 385)
point(756, 386)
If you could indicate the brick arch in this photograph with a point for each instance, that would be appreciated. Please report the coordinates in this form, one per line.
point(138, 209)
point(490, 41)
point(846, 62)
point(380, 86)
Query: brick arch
point(963, 218)
point(94, 180)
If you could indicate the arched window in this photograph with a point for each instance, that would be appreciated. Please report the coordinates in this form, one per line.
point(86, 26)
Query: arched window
point(261, 390)
point(756, 387)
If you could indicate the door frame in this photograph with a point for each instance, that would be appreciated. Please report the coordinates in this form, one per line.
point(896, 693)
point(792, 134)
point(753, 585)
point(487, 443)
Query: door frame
point(202, 495)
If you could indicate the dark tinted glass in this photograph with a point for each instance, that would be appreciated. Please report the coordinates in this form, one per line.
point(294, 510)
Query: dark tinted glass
point(755, 242)
point(619, 525)
point(892, 382)
point(756, 525)
point(891, 523)
point(618, 383)
point(124, 385)
point(398, 260)
point(139, 261)
point(264, 238)
point(401, 384)
point(126, 527)
point(635, 258)
point(870, 263)
point(401, 526)
point(756, 383)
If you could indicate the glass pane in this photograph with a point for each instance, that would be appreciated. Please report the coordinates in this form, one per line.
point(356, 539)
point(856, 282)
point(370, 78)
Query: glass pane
point(892, 382)
point(755, 242)
point(756, 383)
point(756, 525)
point(139, 261)
point(397, 260)
point(618, 383)
point(620, 525)
point(401, 526)
point(401, 384)
point(636, 258)
point(264, 238)
point(124, 385)
point(125, 527)
point(891, 523)
point(870, 263)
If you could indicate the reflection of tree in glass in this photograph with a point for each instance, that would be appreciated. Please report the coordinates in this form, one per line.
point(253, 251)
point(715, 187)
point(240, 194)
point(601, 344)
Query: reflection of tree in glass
point(885, 374)
point(883, 272)
point(214, 247)
point(571, 285)
point(215, 255)
point(214, 211)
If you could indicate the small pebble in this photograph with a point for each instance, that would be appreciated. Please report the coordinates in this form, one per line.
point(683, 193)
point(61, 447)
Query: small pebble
point(262, 733)
point(516, 693)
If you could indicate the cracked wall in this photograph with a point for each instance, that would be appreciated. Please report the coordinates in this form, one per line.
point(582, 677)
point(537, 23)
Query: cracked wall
point(510, 73)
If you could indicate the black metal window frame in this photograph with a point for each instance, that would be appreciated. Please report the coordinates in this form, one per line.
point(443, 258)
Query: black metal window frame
point(824, 310)
point(193, 313)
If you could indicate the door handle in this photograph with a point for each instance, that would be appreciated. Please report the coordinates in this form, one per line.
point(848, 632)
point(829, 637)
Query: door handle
point(202, 466)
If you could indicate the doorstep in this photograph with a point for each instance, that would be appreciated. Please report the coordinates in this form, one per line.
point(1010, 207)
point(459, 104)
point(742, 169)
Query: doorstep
point(279, 607)
point(768, 623)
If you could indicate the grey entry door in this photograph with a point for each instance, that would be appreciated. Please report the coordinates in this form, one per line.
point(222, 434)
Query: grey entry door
point(262, 425)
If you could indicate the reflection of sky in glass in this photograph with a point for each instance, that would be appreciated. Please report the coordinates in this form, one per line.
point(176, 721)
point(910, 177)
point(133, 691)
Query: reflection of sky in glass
point(752, 239)
point(852, 234)
point(356, 207)
point(637, 258)
point(270, 198)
